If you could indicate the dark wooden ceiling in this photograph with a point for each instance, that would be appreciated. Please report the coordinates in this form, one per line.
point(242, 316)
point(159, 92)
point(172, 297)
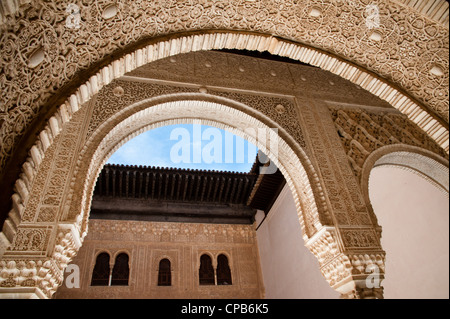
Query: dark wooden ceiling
point(180, 195)
point(174, 184)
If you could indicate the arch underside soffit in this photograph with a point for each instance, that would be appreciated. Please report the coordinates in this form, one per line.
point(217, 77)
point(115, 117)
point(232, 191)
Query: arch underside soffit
point(45, 59)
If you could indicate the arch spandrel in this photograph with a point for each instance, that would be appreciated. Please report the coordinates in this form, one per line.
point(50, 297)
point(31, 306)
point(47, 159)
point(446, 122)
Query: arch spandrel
point(365, 132)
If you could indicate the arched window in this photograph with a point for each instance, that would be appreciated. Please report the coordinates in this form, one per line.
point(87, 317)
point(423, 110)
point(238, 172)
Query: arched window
point(121, 271)
point(164, 273)
point(223, 271)
point(206, 271)
point(100, 275)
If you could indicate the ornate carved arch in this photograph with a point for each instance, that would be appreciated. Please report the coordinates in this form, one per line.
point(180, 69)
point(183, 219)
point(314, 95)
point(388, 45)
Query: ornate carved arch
point(46, 71)
point(123, 124)
point(186, 108)
point(423, 162)
point(41, 62)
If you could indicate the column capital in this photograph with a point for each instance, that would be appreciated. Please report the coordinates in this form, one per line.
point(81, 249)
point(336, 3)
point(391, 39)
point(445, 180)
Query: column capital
point(353, 273)
point(357, 276)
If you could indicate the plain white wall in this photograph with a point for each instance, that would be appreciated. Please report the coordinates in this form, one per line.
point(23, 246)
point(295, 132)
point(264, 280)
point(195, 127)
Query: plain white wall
point(414, 216)
point(289, 269)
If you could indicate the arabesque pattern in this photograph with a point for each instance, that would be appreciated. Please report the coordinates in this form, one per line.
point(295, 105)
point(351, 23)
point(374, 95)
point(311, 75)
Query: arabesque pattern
point(48, 47)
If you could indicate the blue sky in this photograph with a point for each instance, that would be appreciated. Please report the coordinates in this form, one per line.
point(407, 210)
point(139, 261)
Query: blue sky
point(191, 146)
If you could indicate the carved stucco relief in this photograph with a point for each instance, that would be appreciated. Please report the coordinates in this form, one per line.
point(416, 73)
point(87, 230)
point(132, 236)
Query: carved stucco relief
point(46, 243)
point(347, 210)
point(45, 272)
point(138, 91)
point(346, 207)
point(43, 196)
point(362, 132)
point(341, 187)
point(354, 244)
point(41, 53)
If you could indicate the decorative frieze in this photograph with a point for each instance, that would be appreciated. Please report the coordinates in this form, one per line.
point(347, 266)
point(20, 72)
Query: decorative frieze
point(170, 232)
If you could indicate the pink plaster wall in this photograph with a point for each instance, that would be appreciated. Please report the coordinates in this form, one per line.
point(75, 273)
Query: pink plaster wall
point(289, 269)
point(414, 215)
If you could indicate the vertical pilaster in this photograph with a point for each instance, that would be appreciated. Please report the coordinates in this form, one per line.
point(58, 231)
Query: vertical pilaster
point(33, 264)
point(348, 249)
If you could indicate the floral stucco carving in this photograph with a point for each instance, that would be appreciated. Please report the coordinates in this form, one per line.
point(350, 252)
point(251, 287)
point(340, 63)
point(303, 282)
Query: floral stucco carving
point(46, 48)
